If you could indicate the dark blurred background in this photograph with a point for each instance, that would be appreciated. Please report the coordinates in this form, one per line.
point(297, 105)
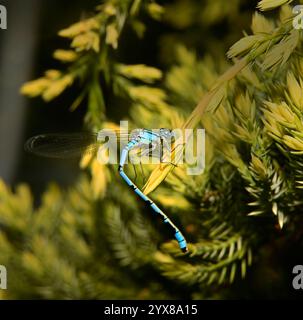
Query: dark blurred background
point(25, 53)
point(26, 49)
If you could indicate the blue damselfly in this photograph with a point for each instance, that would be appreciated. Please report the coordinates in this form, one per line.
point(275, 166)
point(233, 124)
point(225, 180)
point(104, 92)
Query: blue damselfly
point(67, 145)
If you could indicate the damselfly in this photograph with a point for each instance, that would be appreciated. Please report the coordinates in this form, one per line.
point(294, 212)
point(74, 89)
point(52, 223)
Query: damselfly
point(76, 144)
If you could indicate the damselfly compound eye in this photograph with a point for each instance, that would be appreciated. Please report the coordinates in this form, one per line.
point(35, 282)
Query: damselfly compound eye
point(166, 133)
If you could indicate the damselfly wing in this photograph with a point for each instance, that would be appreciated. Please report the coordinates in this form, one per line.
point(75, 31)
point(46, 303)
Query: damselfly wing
point(69, 145)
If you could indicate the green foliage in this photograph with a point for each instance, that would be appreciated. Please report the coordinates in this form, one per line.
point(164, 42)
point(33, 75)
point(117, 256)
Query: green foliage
point(95, 240)
point(90, 56)
point(59, 250)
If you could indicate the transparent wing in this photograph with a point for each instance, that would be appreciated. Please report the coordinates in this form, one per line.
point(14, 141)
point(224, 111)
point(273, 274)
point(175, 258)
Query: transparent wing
point(70, 145)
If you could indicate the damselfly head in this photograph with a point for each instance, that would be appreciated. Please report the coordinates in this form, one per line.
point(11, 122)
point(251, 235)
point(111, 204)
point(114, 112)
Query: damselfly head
point(166, 133)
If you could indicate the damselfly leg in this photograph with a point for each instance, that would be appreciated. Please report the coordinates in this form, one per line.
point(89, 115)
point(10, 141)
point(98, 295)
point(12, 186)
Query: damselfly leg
point(135, 172)
point(142, 173)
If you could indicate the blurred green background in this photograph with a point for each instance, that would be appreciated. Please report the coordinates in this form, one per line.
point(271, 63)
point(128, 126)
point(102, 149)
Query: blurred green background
point(208, 28)
point(26, 51)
